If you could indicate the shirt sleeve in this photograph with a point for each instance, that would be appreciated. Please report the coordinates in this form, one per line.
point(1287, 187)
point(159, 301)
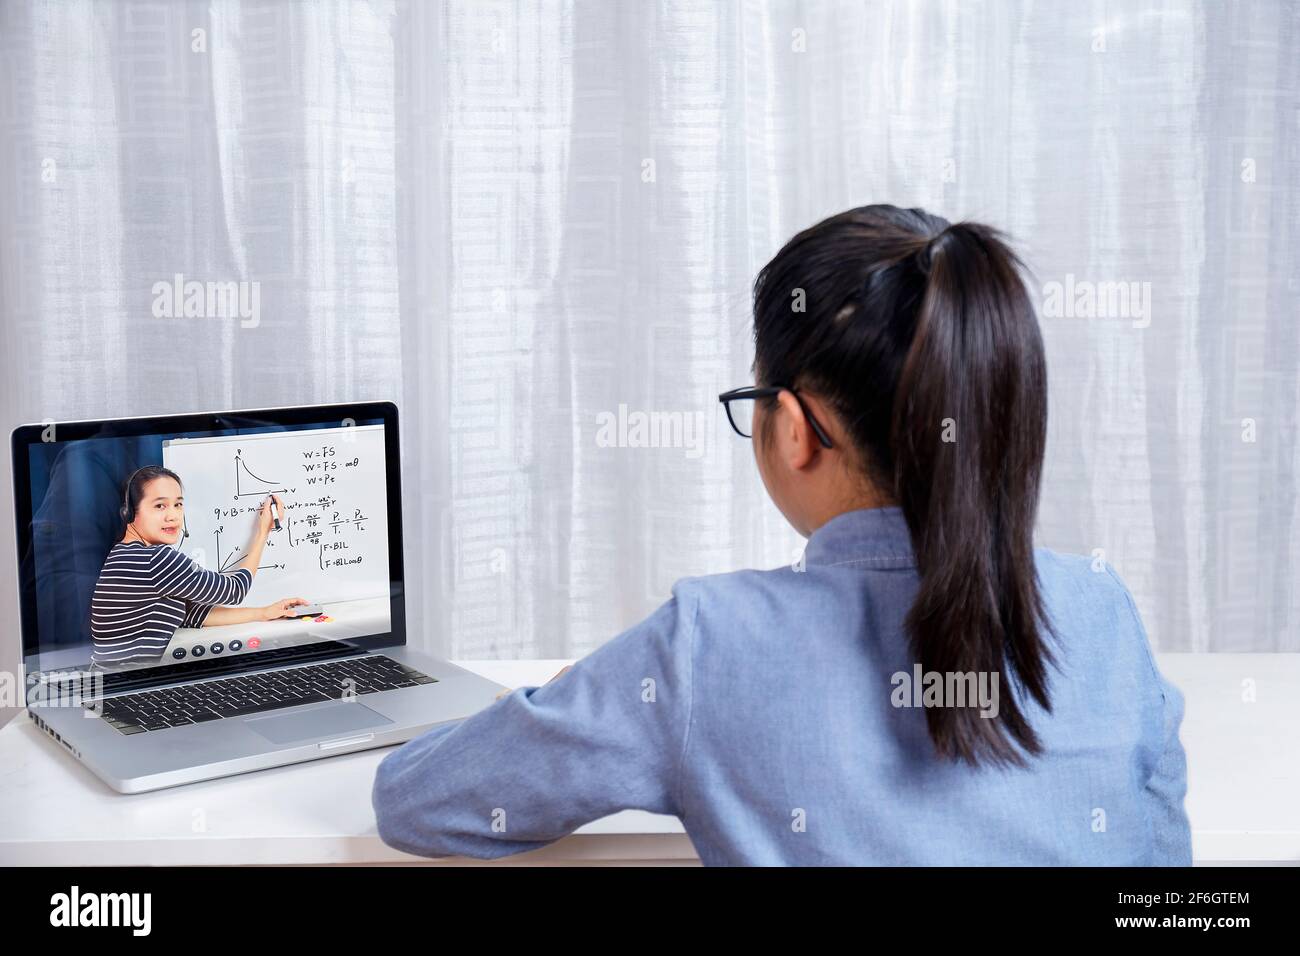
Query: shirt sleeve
point(195, 614)
point(537, 764)
point(178, 575)
point(1166, 789)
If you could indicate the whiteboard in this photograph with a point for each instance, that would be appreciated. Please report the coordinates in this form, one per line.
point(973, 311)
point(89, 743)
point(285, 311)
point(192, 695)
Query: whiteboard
point(333, 542)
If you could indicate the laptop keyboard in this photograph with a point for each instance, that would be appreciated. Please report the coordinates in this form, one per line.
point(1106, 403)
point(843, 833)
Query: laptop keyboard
point(253, 693)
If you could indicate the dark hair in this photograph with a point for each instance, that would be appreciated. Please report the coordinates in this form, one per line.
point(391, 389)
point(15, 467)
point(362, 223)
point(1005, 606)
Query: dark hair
point(135, 489)
point(912, 329)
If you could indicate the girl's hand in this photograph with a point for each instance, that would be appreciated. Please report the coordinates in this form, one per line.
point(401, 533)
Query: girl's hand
point(567, 667)
point(281, 608)
point(266, 520)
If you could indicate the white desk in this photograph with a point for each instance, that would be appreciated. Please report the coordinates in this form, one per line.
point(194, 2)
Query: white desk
point(53, 811)
point(1243, 799)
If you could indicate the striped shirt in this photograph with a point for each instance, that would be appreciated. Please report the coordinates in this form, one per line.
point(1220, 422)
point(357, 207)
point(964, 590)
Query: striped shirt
point(145, 592)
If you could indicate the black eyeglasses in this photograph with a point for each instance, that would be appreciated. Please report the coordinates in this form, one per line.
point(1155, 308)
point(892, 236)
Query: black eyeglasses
point(740, 411)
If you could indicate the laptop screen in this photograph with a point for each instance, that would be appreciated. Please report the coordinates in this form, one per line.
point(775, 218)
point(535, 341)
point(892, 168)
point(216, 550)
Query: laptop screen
point(183, 541)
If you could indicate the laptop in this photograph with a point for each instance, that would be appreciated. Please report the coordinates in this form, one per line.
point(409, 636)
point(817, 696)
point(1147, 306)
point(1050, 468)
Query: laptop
point(163, 567)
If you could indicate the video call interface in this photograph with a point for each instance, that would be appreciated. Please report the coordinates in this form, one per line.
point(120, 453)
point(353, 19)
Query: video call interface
point(171, 548)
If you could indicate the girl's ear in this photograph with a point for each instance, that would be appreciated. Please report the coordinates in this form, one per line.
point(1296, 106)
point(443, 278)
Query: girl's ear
point(794, 437)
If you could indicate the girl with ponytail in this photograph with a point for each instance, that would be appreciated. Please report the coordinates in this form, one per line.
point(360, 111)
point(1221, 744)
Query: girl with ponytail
point(920, 337)
point(899, 417)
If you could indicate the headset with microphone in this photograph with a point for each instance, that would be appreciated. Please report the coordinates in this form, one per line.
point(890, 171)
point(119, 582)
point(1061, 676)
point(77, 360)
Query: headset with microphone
point(127, 513)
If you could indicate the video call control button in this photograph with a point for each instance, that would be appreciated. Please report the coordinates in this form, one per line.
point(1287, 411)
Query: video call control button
point(236, 644)
point(217, 647)
point(178, 653)
point(197, 650)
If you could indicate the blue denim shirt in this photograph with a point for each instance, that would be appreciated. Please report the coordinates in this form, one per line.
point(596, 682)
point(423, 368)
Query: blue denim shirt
point(760, 707)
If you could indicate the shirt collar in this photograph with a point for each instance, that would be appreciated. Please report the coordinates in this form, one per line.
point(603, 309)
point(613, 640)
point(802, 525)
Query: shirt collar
point(876, 535)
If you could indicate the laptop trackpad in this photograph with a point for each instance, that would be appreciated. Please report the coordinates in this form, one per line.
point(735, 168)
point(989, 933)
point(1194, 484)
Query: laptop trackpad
point(323, 722)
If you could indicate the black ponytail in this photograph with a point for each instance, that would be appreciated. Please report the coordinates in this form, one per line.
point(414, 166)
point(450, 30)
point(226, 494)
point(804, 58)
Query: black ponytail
point(921, 337)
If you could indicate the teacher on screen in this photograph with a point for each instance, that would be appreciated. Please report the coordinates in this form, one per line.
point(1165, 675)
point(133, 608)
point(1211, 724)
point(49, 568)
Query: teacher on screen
point(148, 588)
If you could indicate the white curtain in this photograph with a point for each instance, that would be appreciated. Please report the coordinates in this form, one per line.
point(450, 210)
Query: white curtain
point(532, 223)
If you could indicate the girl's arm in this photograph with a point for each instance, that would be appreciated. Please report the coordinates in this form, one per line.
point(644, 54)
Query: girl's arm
point(587, 744)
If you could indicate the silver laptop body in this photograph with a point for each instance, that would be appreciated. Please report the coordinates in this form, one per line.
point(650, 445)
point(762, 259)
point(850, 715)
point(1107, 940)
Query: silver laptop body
point(72, 703)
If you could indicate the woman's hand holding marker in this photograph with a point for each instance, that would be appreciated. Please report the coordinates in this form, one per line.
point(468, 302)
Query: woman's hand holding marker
point(266, 516)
